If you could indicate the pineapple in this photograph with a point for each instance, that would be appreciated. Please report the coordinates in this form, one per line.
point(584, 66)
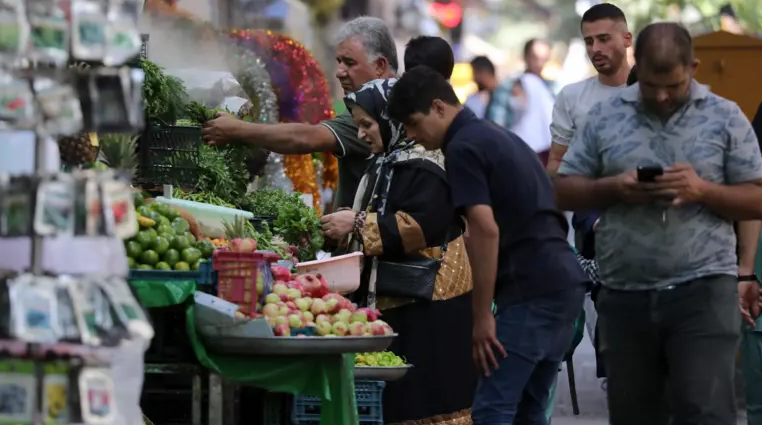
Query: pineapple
point(77, 150)
point(118, 151)
point(240, 228)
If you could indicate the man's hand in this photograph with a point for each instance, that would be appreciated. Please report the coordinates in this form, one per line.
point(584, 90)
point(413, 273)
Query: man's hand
point(632, 191)
point(338, 224)
point(222, 130)
point(484, 341)
point(681, 183)
point(749, 301)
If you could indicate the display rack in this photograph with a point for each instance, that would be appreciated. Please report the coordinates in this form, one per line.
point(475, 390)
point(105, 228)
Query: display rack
point(61, 354)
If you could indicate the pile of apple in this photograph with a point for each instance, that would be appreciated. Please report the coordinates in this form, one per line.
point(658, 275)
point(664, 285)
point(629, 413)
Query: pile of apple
point(303, 302)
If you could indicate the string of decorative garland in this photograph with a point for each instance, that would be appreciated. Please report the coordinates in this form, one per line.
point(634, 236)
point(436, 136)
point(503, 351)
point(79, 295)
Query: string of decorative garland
point(302, 92)
point(330, 171)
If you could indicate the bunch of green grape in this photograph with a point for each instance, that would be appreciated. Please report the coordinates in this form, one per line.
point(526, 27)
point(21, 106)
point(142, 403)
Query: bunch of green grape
point(382, 359)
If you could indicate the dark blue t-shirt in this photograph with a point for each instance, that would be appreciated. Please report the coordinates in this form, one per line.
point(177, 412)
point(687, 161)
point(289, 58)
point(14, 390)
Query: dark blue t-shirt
point(487, 165)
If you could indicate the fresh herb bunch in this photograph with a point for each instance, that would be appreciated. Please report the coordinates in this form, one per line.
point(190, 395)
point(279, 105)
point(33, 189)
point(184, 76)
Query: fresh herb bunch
point(165, 96)
point(266, 202)
point(203, 197)
point(299, 225)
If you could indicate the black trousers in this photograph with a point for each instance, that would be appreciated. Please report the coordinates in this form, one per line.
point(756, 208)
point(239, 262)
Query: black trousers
point(671, 352)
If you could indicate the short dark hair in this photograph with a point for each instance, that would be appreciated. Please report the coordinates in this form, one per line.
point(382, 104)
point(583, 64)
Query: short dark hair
point(603, 11)
point(482, 63)
point(434, 52)
point(416, 91)
point(632, 78)
point(664, 45)
point(530, 43)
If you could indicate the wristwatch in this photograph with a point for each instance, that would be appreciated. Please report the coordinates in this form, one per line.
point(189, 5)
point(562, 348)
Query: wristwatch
point(748, 278)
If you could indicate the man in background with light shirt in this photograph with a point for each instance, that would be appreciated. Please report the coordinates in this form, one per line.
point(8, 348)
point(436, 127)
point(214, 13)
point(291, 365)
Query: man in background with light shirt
point(604, 29)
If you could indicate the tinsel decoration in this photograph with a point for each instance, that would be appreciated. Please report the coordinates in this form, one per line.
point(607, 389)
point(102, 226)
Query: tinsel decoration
point(302, 92)
point(330, 171)
point(250, 72)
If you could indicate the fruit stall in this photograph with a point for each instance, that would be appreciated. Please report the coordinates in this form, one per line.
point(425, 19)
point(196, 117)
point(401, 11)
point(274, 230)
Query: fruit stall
point(226, 254)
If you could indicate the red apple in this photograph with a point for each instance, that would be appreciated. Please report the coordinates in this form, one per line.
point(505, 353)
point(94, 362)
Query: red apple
point(332, 306)
point(281, 320)
point(243, 245)
point(377, 328)
point(308, 316)
point(318, 307)
point(280, 272)
point(282, 330)
point(280, 288)
point(343, 315)
point(270, 310)
point(340, 328)
point(324, 328)
point(272, 298)
point(294, 294)
point(295, 321)
point(291, 305)
point(359, 316)
point(323, 318)
point(356, 329)
point(303, 304)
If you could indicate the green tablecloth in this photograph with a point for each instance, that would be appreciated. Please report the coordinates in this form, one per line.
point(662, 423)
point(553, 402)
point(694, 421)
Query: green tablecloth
point(328, 377)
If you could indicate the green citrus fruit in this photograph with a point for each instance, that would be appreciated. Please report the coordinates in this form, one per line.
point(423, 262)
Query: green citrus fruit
point(180, 243)
point(131, 262)
point(163, 266)
point(144, 267)
point(191, 255)
point(134, 249)
point(149, 257)
point(171, 257)
point(144, 238)
point(206, 248)
point(160, 245)
point(182, 266)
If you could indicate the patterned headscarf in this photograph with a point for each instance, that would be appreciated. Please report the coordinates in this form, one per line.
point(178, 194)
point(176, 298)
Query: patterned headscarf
point(373, 97)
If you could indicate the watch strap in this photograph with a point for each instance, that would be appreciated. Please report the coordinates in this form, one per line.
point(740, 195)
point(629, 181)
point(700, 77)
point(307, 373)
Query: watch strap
point(748, 278)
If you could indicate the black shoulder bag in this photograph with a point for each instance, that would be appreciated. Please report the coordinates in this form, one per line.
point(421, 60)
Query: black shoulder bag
point(413, 276)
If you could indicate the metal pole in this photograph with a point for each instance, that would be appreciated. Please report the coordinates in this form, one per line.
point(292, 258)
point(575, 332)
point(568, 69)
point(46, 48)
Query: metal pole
point(39, 166)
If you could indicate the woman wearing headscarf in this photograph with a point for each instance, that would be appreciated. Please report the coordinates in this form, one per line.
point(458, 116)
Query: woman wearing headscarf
point(415, 268)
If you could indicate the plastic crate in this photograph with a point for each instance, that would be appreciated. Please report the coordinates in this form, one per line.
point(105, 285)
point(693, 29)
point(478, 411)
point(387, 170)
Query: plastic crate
point(237, 275)
point(169, 155)
point(369, 396)
point(205, 277)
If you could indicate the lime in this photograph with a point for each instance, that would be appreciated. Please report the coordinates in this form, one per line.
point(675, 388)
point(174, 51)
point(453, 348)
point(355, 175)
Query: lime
point(196, 265)
point(144, 238)
point(153, 215)
point(133, 249)
point(191, 238)
point(149, 257)
point(168, 236)
point(164, 220)
point(191, 255)
point(180, 243)
point(163, 266)
point(160, 245)
point(182, 266)
point(144, 267)
point(131, 262)
point(206, 248)
point(180, 225)
point(172, 213)
point(144, 210)
point(165, 228)
point(171, 257)
point(137, 199)
point(154, 234)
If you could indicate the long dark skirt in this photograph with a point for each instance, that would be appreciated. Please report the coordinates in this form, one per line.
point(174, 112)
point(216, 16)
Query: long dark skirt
point(435, 337)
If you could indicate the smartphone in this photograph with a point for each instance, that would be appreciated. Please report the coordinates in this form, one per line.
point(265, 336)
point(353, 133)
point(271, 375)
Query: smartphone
point(648, 174)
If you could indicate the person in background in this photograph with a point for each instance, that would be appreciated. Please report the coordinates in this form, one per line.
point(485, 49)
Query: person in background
point(403, 212)
point(633, 77)
point(751, 336)
point(365, 51)
point(530, 99)
point(671, 166)
point(434, 52)
point(517, 248)
point(486, 80)
point(607, 38)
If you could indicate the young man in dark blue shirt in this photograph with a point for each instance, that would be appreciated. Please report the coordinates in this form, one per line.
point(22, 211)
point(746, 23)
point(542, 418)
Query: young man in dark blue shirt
point(517, 248)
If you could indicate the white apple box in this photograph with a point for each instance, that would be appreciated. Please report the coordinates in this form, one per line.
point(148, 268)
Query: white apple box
point(342, 273)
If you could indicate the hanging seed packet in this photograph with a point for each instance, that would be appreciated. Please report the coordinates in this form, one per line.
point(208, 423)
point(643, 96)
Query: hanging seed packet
point(89, 27)
point(60, 107)
point(84, 310)
point(49, 32)
point(67, 317)
point(123, 41)
point(34, 309)
point(18, 207)
point(14, 30)
point(96, 393)
point(119, 209)
point(55, 393)
point(113, 91)
point(18, 392)
point(5, 307)
point(88, 205)
point(54, 212)
point(16, 101)
point(127, 308)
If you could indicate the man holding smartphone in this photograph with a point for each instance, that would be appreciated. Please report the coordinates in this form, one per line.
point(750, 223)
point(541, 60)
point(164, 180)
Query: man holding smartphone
point(672, 167)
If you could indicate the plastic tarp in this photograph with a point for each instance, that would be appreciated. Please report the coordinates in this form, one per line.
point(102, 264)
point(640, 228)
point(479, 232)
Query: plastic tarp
point(329, 377)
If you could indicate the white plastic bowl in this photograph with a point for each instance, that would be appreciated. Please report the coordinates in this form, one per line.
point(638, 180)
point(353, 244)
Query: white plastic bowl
point(210, 218)
point(342, 273)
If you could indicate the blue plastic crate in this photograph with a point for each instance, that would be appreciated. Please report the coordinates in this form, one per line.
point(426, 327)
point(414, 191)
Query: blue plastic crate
point(369, 396)
point(204, 276)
